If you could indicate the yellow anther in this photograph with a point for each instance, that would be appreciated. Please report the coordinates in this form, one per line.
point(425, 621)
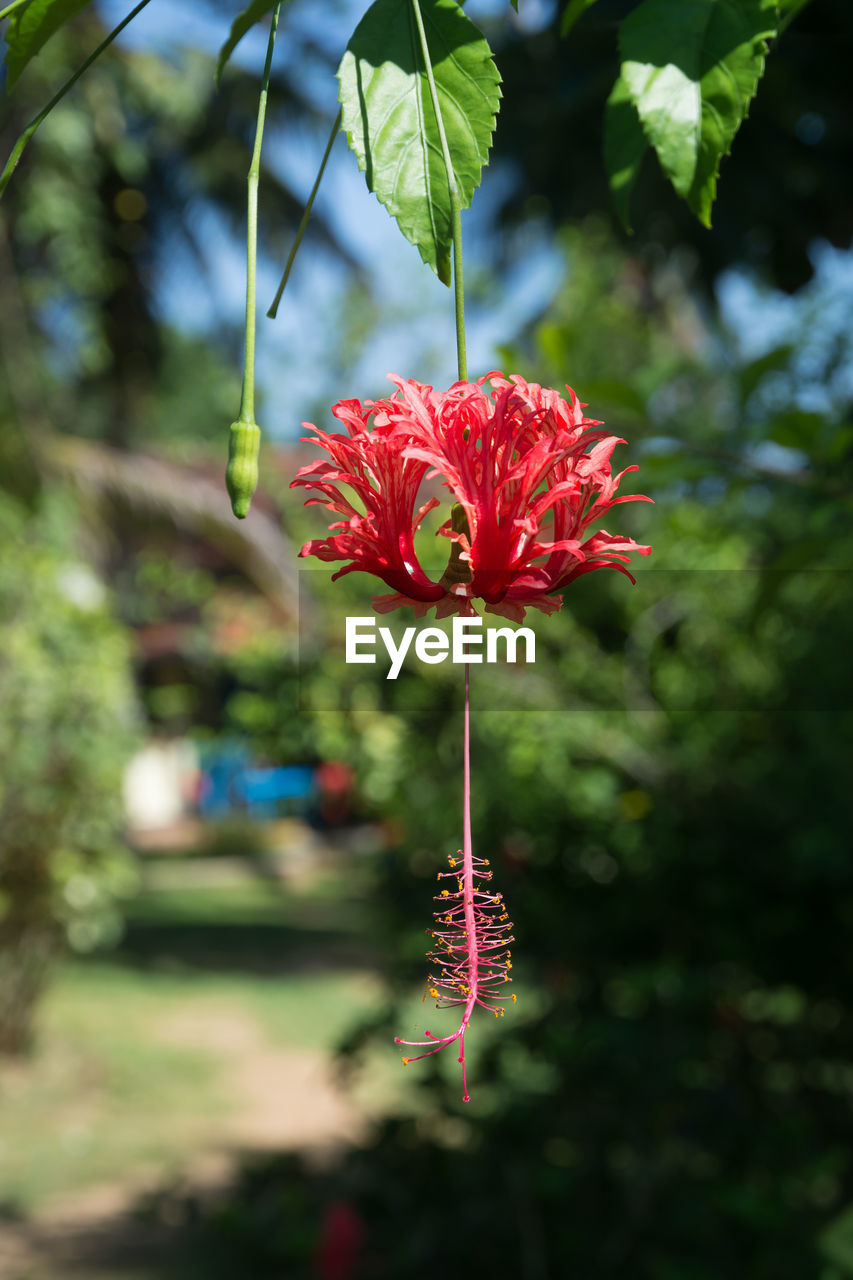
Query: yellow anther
point(514, 998)
point(509, 964)
point(433, 991)
point(445, 893)
point(452, 861)
point(496, 898)
point(485, 862)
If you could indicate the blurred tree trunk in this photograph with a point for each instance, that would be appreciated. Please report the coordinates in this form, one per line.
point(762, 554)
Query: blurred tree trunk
point(30, 942)
point(23, 423)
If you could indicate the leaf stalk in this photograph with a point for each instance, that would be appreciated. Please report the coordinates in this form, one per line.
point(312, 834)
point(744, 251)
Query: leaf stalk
point(247, 398)
point(453, 195)
point(291, 257)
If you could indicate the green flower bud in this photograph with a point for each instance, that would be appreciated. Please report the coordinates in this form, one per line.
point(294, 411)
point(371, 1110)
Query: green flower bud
point(241, 476)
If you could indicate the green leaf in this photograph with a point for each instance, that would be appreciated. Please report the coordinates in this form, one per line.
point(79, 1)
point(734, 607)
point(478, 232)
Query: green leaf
point(616, 394)
point(790, 8)
point(573, 10)
point(625, 146)
point(391, 125)
point(751, 375)
point(798, 429)
point(836, 1240)
point(244, 22)
point(692, 68)
point(31, 27)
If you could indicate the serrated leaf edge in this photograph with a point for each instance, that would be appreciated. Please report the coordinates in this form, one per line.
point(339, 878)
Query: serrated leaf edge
point(763, 48)
point(705, 219)
point(393, 207)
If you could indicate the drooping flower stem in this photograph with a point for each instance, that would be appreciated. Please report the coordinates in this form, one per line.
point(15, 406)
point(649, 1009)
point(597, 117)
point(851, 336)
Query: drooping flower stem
point(247, 400)
point(24, 138)
point(468, 880)
point(291, 257)
point(471, 959)
point(244, 441)
point(453, 195)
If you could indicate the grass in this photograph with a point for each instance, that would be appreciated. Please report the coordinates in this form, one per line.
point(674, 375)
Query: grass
point(140, 1064)
point(100, 1098)
point(107, 1096)
point(120, 1086)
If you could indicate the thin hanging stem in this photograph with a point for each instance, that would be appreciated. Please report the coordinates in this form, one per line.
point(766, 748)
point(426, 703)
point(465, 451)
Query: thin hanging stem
point(470, 988)
point(305, 216)
point(466, 769)
point(453, 194)
point(470, 957)
point(247, 399)
point(468, 879)
point(17, 150)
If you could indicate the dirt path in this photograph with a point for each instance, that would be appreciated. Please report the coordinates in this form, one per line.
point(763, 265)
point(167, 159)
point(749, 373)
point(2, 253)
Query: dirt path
point(282, 1098)
point(279, 1099)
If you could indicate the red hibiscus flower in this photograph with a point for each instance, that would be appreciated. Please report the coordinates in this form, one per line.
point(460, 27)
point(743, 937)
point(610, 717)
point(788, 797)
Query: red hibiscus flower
point(529, 475)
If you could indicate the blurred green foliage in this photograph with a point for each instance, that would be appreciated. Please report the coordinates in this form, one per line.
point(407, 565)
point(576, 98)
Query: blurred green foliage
point(665, 795)
point(665, 798)
point(66, 728)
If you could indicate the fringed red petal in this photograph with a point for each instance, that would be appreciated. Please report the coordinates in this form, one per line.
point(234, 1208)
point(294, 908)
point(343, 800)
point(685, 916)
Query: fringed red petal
point(530, 471)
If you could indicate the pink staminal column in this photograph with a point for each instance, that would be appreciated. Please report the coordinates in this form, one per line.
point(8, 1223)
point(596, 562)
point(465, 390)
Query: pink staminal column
point(470, 959)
